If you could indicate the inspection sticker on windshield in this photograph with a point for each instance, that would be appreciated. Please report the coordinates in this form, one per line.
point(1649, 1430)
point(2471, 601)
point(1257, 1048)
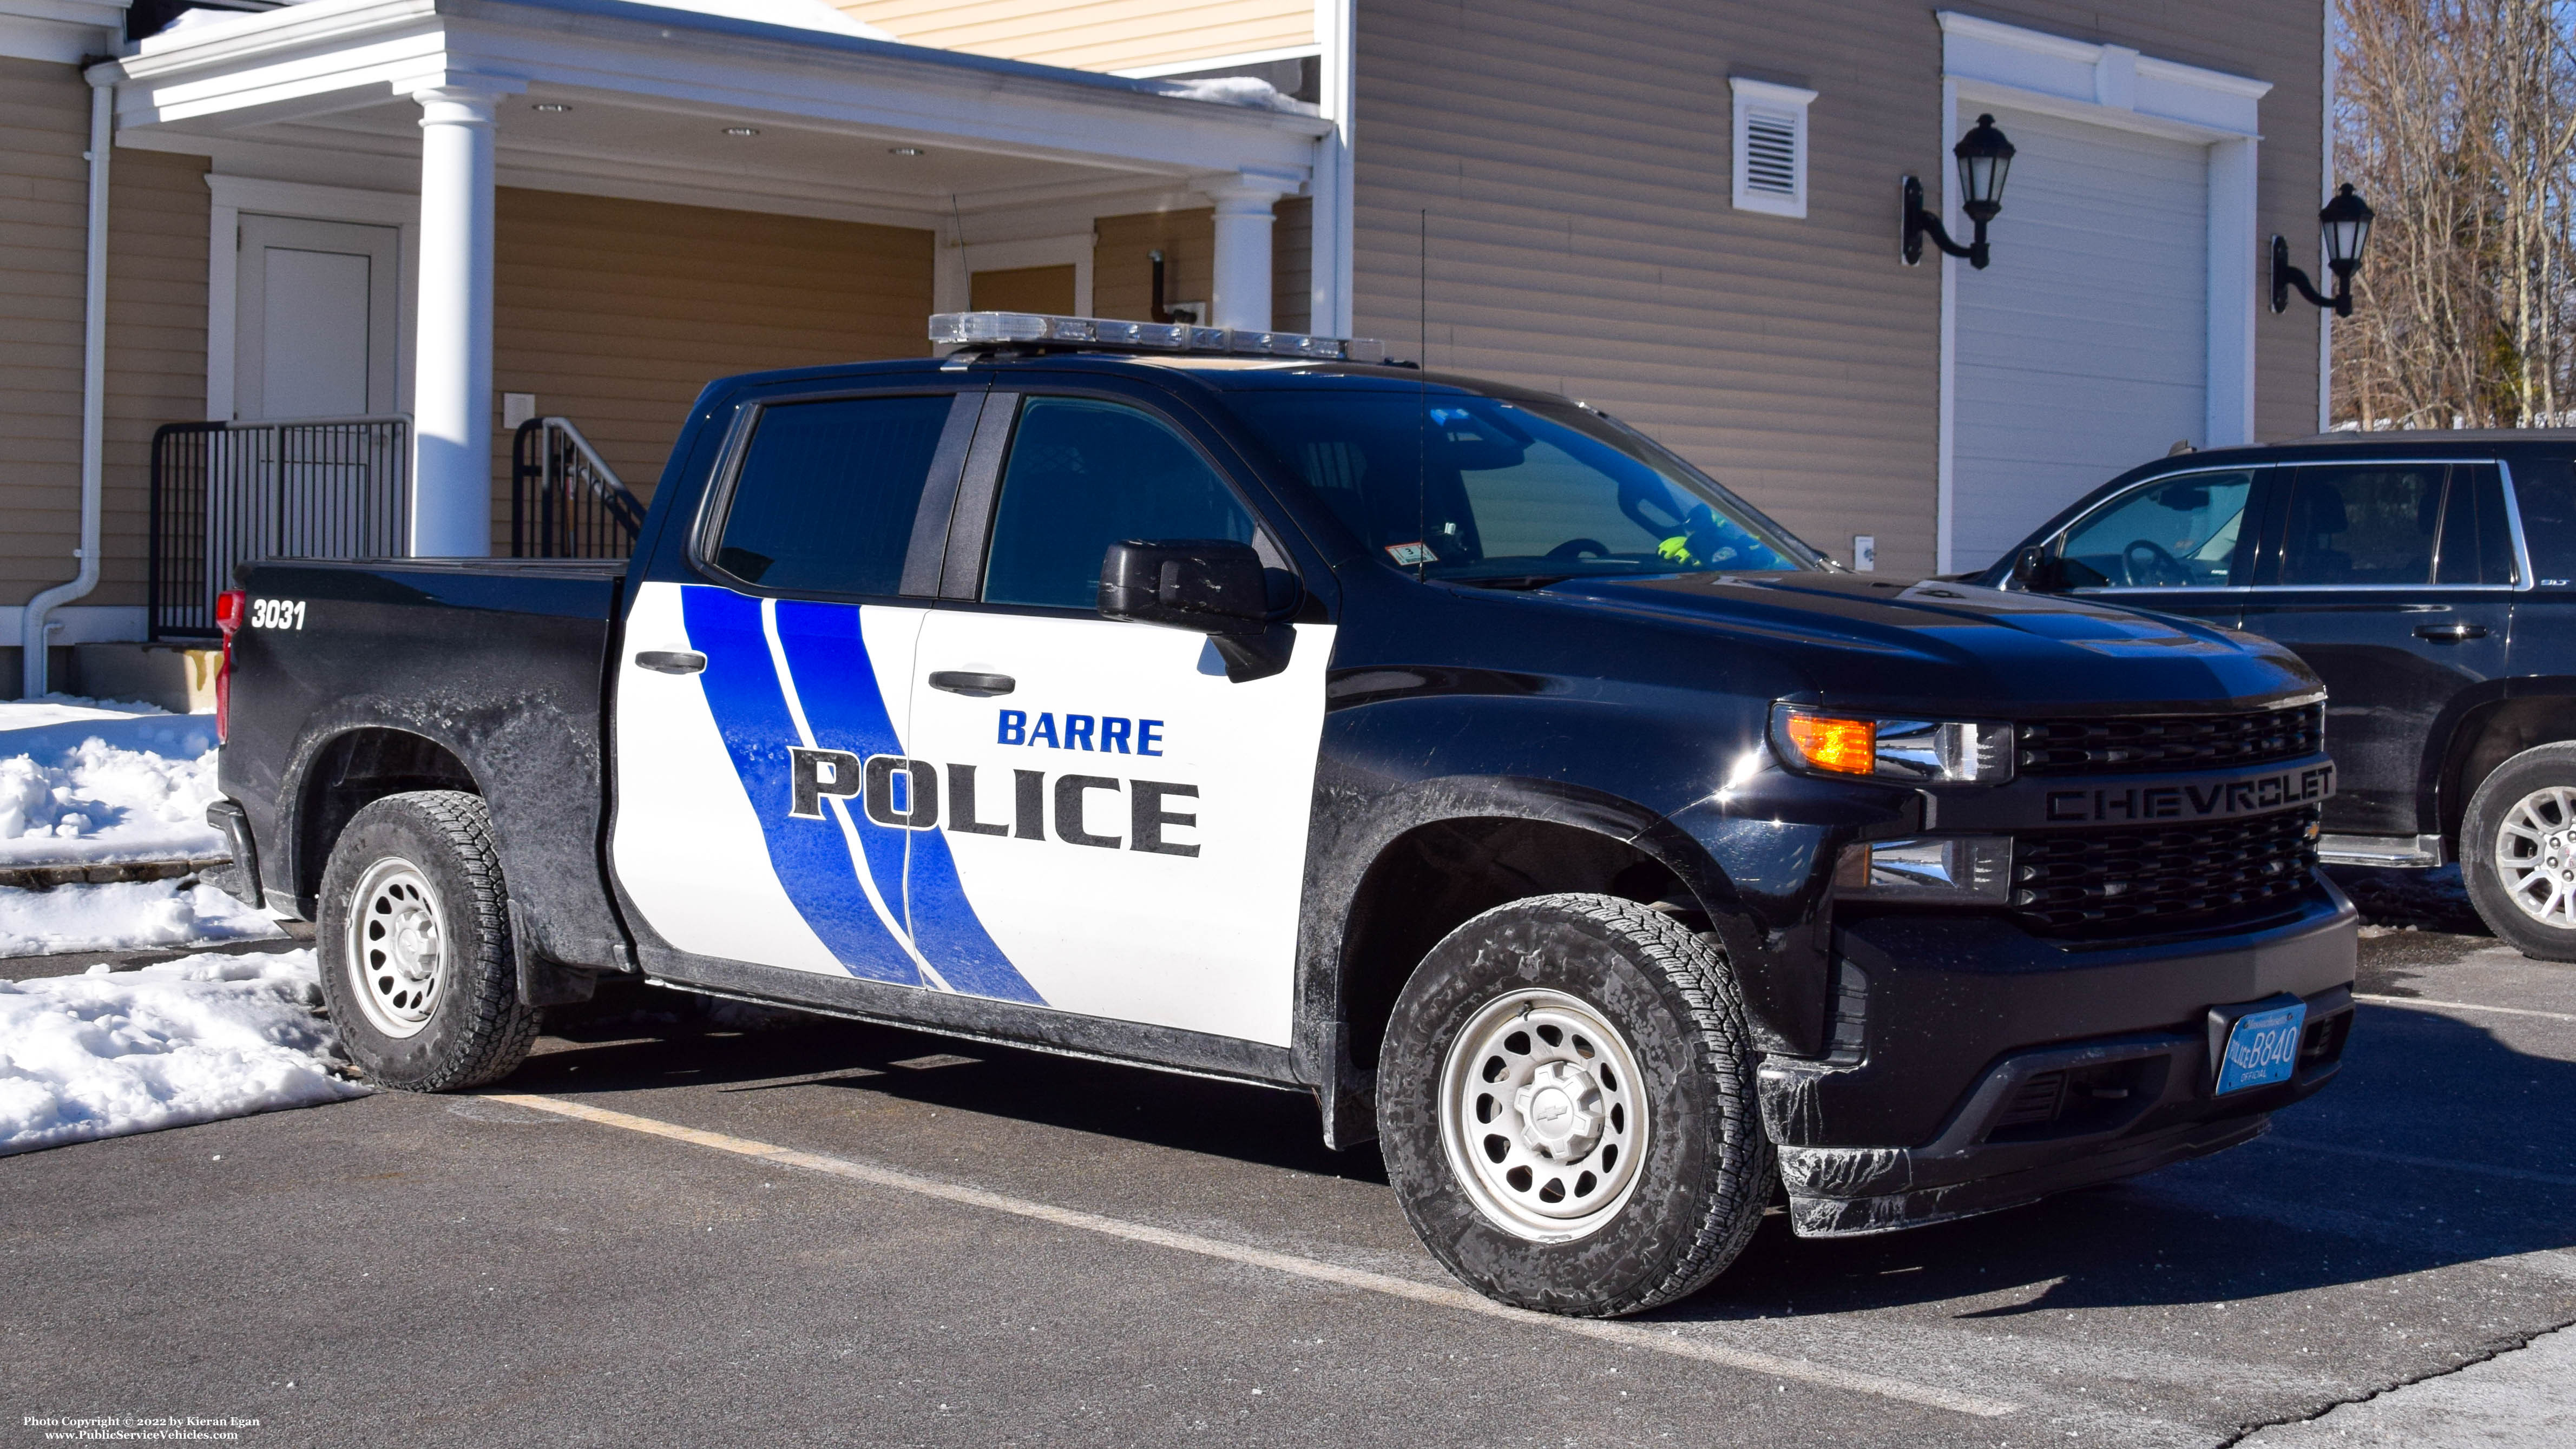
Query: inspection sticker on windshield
point(2262, 1048)
point(1408, 554)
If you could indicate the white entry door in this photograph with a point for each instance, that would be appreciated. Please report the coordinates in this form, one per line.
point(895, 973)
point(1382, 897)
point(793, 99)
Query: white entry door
point(316, 318)
point(2084, 350)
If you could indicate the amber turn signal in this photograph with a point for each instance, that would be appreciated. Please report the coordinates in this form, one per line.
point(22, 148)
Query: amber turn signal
point(1843, 746)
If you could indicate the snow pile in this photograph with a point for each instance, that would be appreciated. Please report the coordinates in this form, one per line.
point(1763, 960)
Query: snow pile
point(84, 783)
point(123, 916)
point(191, 1041)
point(1238, 90)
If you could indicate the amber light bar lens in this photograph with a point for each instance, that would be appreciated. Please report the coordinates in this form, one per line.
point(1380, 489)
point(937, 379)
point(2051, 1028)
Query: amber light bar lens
point(1826, 742)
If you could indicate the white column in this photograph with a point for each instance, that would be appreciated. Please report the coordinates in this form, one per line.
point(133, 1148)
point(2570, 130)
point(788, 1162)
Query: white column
point(1243, 220)
point(451, 508)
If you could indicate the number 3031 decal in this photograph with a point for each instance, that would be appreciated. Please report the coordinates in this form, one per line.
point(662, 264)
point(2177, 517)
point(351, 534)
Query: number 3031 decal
point(277, 613)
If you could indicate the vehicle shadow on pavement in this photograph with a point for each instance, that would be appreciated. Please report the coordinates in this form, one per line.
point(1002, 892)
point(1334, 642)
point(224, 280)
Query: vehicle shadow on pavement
point(2268, 1218)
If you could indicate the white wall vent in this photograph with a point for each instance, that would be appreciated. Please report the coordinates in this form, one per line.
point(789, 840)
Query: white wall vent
point(1770, 147)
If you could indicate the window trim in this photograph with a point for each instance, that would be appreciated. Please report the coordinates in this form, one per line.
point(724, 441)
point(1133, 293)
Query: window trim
point(979, 496)
point(2256, 497)
point(707, 529)
point(2523, 580)
point(1769, 97)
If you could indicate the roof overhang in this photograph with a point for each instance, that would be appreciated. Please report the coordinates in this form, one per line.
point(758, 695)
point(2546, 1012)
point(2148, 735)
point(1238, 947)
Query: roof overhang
point(646, 89)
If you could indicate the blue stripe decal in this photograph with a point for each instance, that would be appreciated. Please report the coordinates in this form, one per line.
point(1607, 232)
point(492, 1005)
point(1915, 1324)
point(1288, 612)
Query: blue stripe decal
point(828, 660)
point(811, 859)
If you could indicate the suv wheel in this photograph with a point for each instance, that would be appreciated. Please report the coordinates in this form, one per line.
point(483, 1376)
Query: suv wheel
point(417, 964)
point(1566, 1103)
point(2519, 847)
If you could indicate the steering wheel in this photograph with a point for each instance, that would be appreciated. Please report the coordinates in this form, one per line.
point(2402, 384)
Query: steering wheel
point(2145, 561)
point(1578, 547)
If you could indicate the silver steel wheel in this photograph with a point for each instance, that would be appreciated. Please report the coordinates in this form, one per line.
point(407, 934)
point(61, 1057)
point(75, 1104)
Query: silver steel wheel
point(1543, 1115)
point(2535, 855)
point(397, 947)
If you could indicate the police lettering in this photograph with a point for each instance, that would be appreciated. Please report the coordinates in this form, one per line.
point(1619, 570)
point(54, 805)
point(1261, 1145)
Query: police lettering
point(906, 794)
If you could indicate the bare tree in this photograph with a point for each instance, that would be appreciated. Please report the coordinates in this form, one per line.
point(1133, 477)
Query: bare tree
point(2457, 118)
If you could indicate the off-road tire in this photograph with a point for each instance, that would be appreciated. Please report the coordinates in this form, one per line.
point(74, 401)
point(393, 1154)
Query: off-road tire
point(477, 1030)
point(2539, 768)
point(1707, 1169)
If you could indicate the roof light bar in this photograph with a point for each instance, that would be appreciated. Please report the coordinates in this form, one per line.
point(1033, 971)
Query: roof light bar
point(985, 329)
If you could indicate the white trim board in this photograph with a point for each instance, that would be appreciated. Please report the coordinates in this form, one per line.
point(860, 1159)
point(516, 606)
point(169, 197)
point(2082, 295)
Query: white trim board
point(1074, 249)
point(234, 195)
point(1985, 62)
point(80, 623)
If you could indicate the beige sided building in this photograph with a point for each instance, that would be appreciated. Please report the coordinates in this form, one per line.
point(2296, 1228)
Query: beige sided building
point(1684, 214)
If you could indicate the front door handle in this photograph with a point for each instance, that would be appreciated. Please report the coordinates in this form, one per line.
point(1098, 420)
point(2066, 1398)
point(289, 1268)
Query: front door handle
point(959, 681)
point(672, 661)
point(2451, 633)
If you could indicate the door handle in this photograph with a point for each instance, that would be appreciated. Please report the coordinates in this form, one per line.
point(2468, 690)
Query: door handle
point(2451, 633)
point(959, 681)
point(672, 661)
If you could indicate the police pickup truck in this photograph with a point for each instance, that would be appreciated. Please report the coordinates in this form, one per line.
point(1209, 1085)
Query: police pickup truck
point(1213, 702)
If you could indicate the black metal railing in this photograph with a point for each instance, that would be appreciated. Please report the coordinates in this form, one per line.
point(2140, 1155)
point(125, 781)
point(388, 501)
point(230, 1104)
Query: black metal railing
point(224, 494)
point(565, 501)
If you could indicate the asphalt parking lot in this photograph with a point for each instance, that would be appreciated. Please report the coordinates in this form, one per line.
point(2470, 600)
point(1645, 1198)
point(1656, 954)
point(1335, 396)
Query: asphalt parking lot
point(820, 1232)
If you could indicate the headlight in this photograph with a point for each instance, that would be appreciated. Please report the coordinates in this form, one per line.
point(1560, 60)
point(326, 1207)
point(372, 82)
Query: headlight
point(1958, 869)
point(1921, 751)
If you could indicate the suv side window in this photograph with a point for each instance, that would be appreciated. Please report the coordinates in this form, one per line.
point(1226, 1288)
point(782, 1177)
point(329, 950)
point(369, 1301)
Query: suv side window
point(2361, 524)
point(2546, 490)
point(2177, 532)
point(1083, 474)
point(825, 498)
point(2477, 538)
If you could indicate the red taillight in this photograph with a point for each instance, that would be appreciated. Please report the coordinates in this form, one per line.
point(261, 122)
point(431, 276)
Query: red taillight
point(230, 607)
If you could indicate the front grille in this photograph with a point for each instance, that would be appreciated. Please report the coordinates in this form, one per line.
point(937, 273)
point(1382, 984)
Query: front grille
point(2167, 742)
point(2134, 880)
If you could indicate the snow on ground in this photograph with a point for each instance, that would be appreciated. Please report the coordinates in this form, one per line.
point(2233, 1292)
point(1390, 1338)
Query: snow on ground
point(191, 1041)
point(123, 916)
point(83, 781)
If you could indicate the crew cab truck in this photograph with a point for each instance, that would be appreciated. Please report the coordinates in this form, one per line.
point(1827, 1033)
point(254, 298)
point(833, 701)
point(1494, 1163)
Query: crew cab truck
point(1447, 750)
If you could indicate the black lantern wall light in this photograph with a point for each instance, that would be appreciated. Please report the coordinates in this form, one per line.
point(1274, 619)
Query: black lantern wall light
point(1985, 158)
point(2345, 221)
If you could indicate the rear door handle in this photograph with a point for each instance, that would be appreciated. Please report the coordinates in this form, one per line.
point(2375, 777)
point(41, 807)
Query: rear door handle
point(2451, 633)
point(959, 681)
point(672, 661)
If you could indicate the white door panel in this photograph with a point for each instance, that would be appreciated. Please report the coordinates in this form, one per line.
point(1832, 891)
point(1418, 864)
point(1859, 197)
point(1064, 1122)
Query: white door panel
point(1138, 838)
point(316, 318)
point(2083, 351)
point(709, 840)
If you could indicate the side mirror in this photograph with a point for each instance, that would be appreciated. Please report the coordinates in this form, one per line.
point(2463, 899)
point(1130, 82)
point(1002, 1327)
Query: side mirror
point(1212, 586)
point(2033, 570)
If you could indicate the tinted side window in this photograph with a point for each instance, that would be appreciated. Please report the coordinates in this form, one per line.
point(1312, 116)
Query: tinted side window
point(2362, 525)
point(2477, 542)
point(827, 493)
point(2175, 533)
point(2546, 489)
point(1085, 474)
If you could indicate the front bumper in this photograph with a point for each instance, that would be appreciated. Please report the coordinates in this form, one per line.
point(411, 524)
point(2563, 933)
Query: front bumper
point(2019, 1066)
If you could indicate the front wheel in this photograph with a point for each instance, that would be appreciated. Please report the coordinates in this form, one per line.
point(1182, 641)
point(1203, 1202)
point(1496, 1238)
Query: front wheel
point(2518, 852)
point(418, 968)
point(1566, 1104)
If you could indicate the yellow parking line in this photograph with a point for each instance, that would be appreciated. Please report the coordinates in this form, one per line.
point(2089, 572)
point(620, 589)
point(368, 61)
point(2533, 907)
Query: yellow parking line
point(1625, 1335)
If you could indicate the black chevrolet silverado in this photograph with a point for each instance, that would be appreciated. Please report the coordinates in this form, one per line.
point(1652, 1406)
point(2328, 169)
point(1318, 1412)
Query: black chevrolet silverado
point(1447, 750)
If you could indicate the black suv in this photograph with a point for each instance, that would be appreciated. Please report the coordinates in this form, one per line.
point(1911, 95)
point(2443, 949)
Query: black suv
point(2424, 576)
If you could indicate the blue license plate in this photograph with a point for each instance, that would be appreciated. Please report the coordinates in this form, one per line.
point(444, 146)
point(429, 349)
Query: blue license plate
point(2262, 1048)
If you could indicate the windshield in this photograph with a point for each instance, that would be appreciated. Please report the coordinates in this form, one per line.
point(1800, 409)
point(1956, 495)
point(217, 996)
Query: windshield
point(1480, 490)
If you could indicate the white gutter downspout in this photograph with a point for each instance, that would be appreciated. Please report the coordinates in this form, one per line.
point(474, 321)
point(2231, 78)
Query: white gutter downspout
point(32, 626)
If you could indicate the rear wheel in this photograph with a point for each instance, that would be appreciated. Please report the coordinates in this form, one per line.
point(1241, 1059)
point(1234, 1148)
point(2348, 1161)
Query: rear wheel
point(2518, 852)
point(1566, 1103)
point(418, 967)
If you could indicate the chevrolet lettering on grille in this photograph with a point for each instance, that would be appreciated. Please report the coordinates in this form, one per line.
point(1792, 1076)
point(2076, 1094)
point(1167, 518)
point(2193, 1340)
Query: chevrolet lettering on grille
point(2190, 800)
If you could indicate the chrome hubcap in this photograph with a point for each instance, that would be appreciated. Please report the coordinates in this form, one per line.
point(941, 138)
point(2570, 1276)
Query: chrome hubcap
point(2535, 855)
point(1543, 1115)
point(397, 947)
